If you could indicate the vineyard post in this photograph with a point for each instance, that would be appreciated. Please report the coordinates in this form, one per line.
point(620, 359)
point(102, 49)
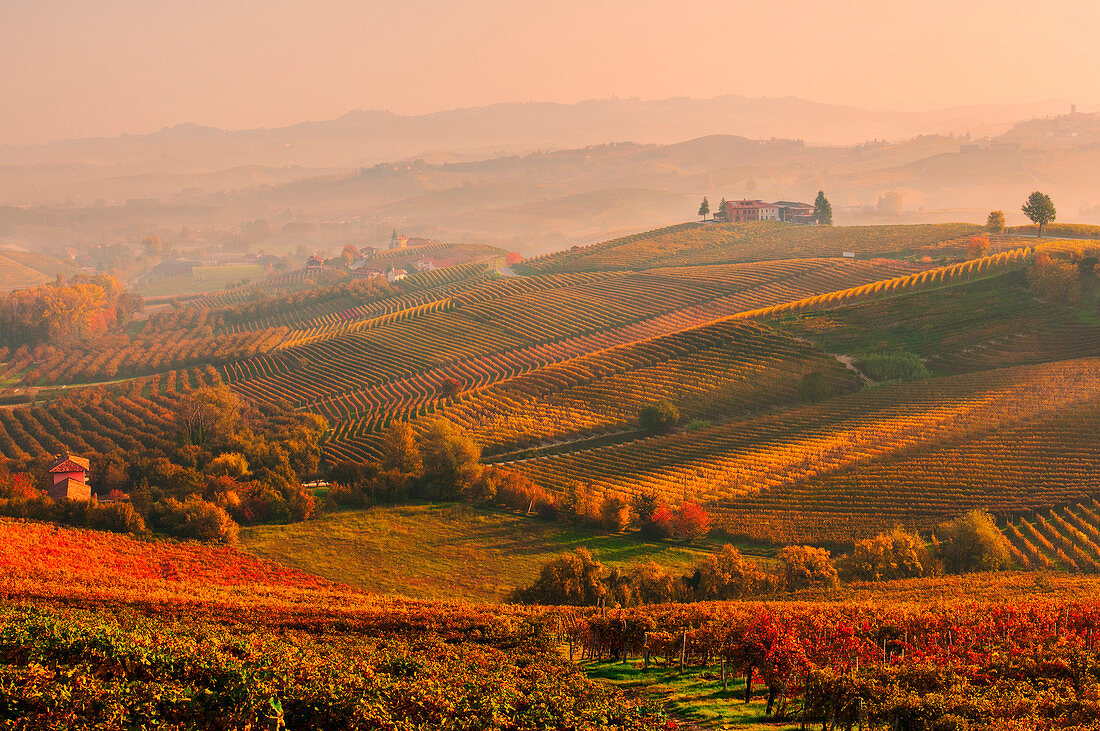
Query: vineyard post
point(725, 682)
point(683, 649)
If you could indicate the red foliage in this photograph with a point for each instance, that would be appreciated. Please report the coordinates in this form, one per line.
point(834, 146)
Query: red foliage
point(692, 522)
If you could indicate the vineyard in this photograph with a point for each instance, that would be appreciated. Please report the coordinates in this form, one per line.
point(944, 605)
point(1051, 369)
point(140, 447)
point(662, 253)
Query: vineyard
point(95, 628)
point(212, 638)
point(711, 371)
point(986, 324)
point(504, 328)
point(720, 243)
point(912, 453)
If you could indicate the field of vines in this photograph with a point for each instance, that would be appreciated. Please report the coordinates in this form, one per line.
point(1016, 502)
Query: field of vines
point(95, 421)
point(1064, 538)
point(991, 323)
point(712, 371)
point(719, 243)
point(507, 327)
point(914, 453)
point(109, 632)
point(1007, 664)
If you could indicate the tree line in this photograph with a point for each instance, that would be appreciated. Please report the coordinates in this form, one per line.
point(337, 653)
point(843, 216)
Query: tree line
point(226, 464)
point(969, 543)
point(66, 313)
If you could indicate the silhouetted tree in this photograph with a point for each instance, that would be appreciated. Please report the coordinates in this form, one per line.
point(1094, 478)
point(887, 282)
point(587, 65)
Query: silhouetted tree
point(823, 210)
point(1040, 209)
point(704, 208)
point(995, 223)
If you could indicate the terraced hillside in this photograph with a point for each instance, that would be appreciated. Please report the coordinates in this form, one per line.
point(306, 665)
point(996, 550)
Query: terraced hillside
point(396, 362)
point(1064, 538)
point(21, 268)
point(711, 371)
point(719, 243)
point(993, 323)
point(1010, 440)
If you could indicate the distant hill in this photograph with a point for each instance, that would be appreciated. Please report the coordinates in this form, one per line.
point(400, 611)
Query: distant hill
point(366, 137)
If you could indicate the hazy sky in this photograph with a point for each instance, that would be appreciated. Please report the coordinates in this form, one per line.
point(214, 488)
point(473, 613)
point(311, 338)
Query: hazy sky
point(103, 67)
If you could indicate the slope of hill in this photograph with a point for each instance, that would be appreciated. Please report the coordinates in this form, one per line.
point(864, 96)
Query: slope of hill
point(855, 464)
point(720, 243)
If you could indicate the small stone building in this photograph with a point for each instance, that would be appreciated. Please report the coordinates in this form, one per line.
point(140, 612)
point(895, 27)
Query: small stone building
point(70, 478)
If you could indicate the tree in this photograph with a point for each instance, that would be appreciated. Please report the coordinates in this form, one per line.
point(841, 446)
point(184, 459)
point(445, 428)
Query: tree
point(977, 247)
point(571, 579)
point(614, 514)
point(349, 254)
point(973, 542)
point(704, 208)
point(658, 417)
point(823, 210)
point(995, 223)
point(451, 459)
point(806, 566)
point(727, 575)
point(721, 210)
point(400, 451)
point(209, 415)
point(1040, 209)
point(898, 554)
point(692, 522)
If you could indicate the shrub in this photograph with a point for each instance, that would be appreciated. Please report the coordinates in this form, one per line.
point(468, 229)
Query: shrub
point(194, 518)
point(116, 517)
point(972, 542)
point(658, 417)
point(806, 566)
point(652, 584)
point(977, 247)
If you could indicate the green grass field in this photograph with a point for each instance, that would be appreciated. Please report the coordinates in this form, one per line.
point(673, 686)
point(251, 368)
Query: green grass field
point(694, 697)
point(204, 279)
point(445, 551)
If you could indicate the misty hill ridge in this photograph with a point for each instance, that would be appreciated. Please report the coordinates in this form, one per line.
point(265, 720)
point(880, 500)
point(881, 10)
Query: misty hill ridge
point(367, 137)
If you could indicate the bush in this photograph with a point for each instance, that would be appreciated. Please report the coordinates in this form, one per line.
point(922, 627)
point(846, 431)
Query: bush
point(194, 518)
point(806, 566)
point(893, 366)
point(614, 515)
point(973, 542)
point(116, 517)
point(652, 584)
point(898, 554)
point(658, 417)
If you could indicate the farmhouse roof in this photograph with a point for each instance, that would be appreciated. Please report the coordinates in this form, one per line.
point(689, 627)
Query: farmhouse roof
point(68, 463)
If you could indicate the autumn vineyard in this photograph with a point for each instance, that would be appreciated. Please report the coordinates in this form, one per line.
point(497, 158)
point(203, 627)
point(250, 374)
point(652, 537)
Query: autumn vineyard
point(897, 427)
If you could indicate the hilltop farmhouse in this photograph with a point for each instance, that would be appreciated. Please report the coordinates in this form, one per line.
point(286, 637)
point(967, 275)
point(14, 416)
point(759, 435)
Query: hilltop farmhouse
point(758, 210)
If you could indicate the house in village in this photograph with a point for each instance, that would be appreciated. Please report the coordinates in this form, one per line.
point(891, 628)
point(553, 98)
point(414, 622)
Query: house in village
point(363, 271)
point(424, 265)
point(396, 275)
point(315, 263)
point(70, 478)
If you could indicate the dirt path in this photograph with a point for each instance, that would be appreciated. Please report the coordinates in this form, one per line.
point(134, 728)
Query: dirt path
point(849, 363)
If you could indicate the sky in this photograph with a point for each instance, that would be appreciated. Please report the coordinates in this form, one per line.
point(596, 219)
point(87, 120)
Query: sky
point(80, 68)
